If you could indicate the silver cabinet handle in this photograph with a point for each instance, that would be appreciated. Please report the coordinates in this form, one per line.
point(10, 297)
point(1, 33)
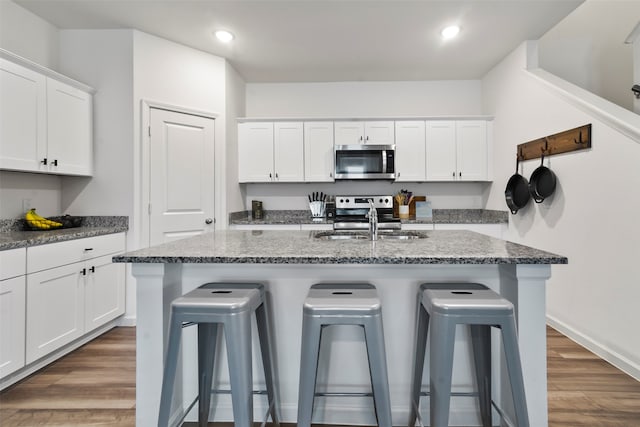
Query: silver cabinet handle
point(453, 174)
point(208, 221)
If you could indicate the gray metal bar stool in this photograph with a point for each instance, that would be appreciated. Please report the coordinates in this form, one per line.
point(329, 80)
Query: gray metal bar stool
point(231, 305)
point(343, 304)
point(442, 306)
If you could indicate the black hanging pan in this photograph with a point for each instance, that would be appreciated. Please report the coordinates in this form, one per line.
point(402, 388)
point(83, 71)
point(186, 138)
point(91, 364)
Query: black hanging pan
point(517, 191)
point(542, 183)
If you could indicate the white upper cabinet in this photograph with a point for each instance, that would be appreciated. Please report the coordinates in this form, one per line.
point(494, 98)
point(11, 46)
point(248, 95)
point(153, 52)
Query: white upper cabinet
point(288, 163)
point(457, 150)
point(441, 150)
point(472, 150)
point(70, 150)
point(46, 124)
point(410, 151)
point(23, 107)
point(426, 150)
point(318, 152)
point(255, 152)
point(269, 152)
point(364, 132)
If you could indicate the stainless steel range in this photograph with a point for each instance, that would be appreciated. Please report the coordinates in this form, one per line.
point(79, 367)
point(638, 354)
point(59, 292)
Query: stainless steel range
point(352, 213)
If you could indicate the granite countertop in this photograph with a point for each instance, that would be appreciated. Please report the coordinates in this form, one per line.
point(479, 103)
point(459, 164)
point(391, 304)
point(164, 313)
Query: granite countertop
point(301, 247)
point(440, 216)
point(13, 235)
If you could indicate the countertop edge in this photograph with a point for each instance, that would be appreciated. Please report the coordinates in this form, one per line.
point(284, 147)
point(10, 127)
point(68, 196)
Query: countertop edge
point(70, 234)
point(347, 260)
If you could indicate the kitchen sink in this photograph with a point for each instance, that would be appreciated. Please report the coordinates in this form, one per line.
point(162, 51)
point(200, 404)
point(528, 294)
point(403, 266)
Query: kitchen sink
point(364, 235)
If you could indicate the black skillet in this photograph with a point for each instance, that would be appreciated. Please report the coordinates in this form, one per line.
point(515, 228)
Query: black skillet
point(542, 183)
point(517, 191)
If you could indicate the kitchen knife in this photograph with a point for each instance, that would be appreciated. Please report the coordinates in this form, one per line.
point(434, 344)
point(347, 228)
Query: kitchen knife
point(309, 197)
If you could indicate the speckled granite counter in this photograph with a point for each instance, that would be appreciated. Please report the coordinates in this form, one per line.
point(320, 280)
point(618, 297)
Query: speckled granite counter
point(440, 216)
point(13, 235)
point(301, 247)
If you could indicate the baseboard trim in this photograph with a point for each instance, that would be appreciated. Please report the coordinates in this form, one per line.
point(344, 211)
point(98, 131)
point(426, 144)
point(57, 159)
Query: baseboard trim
point(617, 360)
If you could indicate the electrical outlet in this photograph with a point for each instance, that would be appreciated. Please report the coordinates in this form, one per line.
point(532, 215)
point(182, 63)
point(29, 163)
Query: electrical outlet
point(26, 205)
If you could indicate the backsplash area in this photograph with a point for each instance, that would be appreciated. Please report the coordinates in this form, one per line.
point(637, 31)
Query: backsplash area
point(442, 195)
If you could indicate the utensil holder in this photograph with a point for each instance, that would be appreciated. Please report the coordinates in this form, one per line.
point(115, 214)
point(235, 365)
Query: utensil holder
point(317, 209)
point(403, 211)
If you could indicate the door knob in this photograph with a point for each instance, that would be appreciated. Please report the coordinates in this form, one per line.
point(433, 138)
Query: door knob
point(208, 221)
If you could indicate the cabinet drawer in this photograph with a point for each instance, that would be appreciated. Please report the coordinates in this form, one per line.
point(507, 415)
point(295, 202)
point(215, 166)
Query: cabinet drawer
point(56, 254)
point(13, 262)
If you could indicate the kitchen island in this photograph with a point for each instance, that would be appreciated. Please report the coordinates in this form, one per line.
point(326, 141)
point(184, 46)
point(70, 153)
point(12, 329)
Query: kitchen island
point(289, 262)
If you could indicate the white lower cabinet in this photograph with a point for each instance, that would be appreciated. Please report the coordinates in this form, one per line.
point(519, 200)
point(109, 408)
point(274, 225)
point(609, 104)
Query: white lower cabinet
point(12, 310)
point(67, 301)
point(55, 309)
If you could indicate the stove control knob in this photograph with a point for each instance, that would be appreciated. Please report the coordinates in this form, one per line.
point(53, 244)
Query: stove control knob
point(347, 200)
point(386, 200)
point(380, 200)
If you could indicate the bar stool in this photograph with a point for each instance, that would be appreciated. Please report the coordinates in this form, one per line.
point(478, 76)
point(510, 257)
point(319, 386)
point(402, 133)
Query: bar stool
point(232, 305)
point(442, 306)
point(343, 304)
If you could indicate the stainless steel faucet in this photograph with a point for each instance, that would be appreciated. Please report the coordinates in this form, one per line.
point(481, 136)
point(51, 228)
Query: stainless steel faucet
point(373, 221)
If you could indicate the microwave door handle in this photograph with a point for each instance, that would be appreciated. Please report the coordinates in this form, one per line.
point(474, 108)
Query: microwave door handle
point(384, 161)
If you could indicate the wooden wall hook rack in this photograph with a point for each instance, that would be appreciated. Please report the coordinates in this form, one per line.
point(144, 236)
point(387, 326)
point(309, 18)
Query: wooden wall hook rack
point(563, 142)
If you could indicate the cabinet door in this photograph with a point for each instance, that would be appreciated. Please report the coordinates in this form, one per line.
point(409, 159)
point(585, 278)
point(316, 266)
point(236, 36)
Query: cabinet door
point(22, 118)
point(255, 152)
point(472, 156)
point(288, 153)
point(104, 292)
point(12, 325)
point(69, 129)
point(410, 151)
point(318, 152)
point(349, 133)
point(441, 150)
point(55, 309)
point(379, 132)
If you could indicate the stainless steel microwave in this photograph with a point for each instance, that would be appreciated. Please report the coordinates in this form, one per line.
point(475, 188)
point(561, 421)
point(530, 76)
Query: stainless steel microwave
point(365, 161)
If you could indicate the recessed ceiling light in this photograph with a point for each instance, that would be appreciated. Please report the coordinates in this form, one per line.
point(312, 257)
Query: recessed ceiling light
point(450, 32)
point(224, 36)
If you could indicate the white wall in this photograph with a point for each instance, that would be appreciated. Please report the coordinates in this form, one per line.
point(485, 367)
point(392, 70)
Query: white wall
point(28, 35)
point(103, 59)
point(591, 218)
point(235, 107)
point(587, 48)
point(365, 99)
point(40, 191)
point(33, 38)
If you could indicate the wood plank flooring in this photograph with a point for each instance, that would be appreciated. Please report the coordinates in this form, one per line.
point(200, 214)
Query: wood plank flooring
point(95, 386)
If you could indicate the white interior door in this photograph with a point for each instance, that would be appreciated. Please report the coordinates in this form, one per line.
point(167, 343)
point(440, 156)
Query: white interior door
point(181, 175)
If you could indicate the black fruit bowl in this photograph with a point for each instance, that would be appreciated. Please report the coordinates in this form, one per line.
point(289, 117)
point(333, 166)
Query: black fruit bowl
point(67, 221)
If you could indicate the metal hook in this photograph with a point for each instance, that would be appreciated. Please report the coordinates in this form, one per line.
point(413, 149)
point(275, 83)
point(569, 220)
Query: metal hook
point(546, 146)
point(579, 140)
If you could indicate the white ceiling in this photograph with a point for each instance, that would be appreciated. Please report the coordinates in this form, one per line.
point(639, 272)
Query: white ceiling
point(328, 40)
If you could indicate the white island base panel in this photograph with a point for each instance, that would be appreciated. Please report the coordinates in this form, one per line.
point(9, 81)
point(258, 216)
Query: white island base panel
point(343, 361)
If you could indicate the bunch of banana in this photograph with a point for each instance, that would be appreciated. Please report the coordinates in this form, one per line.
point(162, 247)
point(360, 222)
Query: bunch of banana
point(36, 221)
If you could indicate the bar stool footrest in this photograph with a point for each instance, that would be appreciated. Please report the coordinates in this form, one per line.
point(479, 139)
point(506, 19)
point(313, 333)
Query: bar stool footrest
point(343, 394)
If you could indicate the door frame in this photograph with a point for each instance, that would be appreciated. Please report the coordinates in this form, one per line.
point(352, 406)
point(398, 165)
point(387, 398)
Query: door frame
point(145, 160)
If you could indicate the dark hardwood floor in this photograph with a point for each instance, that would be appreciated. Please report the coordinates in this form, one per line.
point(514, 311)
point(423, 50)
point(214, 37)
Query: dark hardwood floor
point(95, 386)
